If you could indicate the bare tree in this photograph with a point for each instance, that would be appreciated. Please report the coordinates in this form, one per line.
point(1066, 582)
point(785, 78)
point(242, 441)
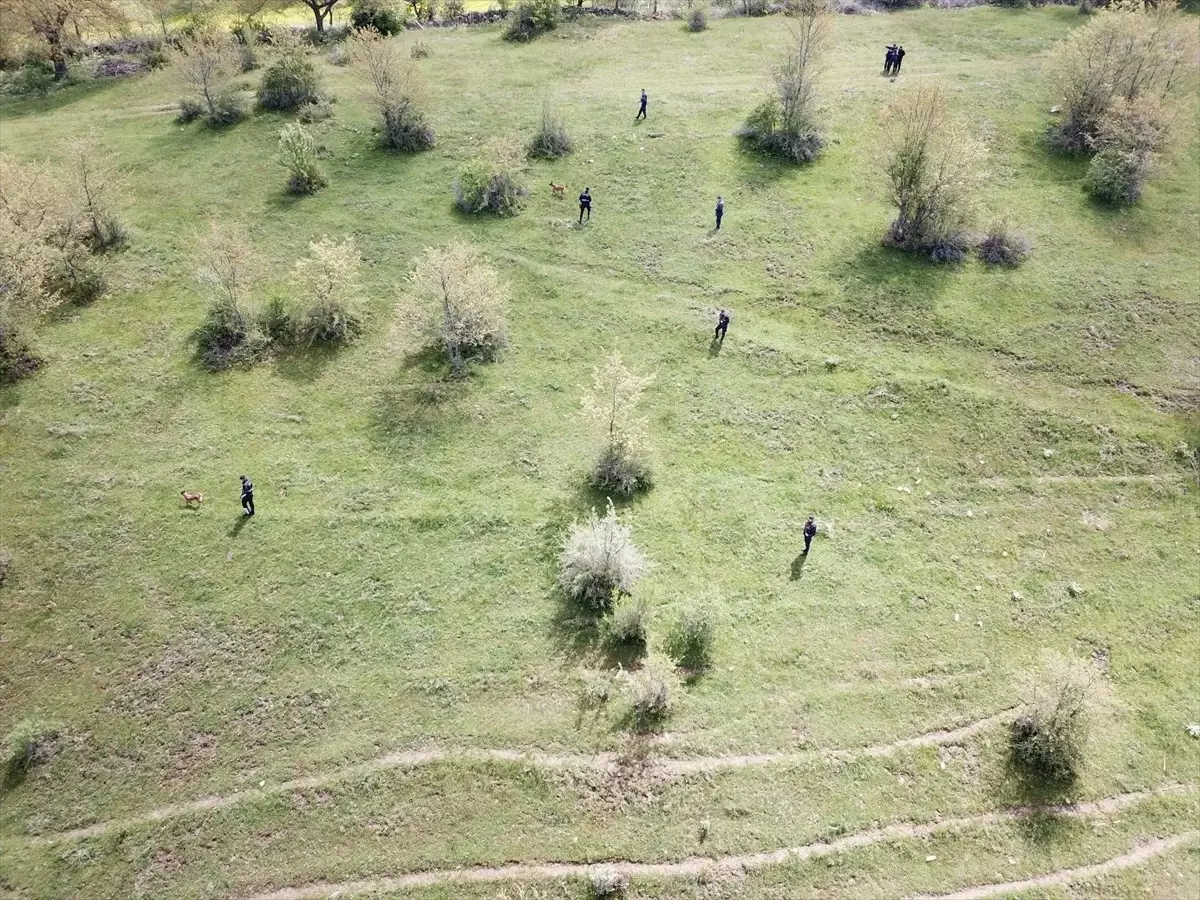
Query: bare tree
point(206, 62)
point(464, 302)
point(322, 11)
point(97, 184)
point(395, 90)
point(56, 26)
point(611, 408)
point(933, 165)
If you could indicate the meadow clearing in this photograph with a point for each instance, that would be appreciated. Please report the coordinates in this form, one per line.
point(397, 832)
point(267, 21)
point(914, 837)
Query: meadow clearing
point(377, 675)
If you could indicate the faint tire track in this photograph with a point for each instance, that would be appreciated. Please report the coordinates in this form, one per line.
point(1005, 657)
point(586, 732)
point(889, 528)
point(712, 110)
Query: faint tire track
point(1070, 876)
point(699, 865)
point(412, 759)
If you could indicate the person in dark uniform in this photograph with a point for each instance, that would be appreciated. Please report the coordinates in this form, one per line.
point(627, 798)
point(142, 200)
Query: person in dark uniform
point(810, 529)
point(247, 496)
point(641, 107)
point(722, 326)
point(889, 59)
point(585, 204)
point(720, 212)
point(899, 59)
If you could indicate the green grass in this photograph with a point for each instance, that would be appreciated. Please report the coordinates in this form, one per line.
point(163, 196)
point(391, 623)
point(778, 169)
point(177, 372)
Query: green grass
point(397, 590)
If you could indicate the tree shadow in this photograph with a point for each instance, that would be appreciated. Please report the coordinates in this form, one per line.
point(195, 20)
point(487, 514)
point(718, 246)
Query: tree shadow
point(304, 363)
point(421, 401)
point(57, 98)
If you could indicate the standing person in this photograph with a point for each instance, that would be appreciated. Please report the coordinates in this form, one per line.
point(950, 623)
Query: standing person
point(722, 326)
point(889, 59)
point(247, 496)
point(899, 59)
point(641, 107)
point(720, 212)
point(810, 529)
point(585, 204)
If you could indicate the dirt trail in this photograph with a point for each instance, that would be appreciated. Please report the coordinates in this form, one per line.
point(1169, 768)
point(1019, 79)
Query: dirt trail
point(411, 759)
point(698, 865)
point(1070, 876)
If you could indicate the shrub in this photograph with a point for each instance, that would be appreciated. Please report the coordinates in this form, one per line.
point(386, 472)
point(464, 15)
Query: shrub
point(551, 140)
point(78, 281)
point(382, 17)
point(17, 359)
point(277, 322)
point(690, 640)
point(611, 407)
point(339, 55)
point(156, 58)
point(1117, 177)
point(1049, 737)
point(395, 90)
point(228, 108)
point(532, 18)
point(34, 78)
point(317, 111)
point(785, 125)
point(26, 745)
point(649, 696)
point(291, 79)
point(626, 627)
point(189, 111)
point(464, 302)
point(299, 156)
point(205, 62)
point(453, 9)
point(1122, 53)
point(932, 163)
point(95, 183)
point(328, 281)
point(419, 50)
point(1003, 247)
point(599, 561)
point(608, 884)
point(494, 189)
point(697, 19)
point(220, 336)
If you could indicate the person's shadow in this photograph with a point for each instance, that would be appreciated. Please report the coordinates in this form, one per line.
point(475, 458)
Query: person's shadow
point(242, 519)
point(714, 349)
point(798, 564)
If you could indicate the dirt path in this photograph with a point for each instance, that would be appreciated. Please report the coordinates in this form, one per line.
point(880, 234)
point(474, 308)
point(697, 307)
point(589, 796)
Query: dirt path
point(411, 759)
point(698, 865)
point(1070, 876)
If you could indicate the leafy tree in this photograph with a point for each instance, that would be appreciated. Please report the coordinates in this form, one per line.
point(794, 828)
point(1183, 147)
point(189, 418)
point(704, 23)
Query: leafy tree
point(298, 154)
point(464, 302)
point(328, 281)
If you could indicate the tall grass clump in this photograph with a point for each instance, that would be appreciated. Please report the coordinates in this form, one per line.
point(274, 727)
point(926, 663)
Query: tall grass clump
point(291, 80)
point(395, 90)
point(611, 409)
point(599, 561)
point(462, 304)
point(26, 744)
point(932, 163)
point(298, 154)
point(551, 140)
point(1049, 736)
point(690, 640)
point(785, 124)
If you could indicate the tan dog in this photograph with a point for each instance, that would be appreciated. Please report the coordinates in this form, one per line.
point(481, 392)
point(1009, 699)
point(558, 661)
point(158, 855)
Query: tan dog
point(558, 190)
point(189, 498)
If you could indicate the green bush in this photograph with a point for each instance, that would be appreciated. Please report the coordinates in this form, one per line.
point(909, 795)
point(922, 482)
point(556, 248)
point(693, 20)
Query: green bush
point(379, 16)
point(220, 338)
point(277, 322)
point(291, 80)
point(228, 109)
point(599, 561)
point(621, 471)
point(298, 154)
point(764, 132)
point(697, 19)
point(34, 78)
point(532, 18)
point(405, 129)
point(479, 189)
point(189, 111)
point(1049, 736)
point(1117, 177)
point(690, 640)
point(626, 627)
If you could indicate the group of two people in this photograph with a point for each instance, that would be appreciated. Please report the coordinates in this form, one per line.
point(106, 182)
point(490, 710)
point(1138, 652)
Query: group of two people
point(891, 62)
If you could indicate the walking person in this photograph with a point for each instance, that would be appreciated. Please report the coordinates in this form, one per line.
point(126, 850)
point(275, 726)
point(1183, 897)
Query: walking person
point(810, 530)
point(247, 496)
point(722, 326)
point(641, 107)
point(720, 212)
point(899, 59)
point(889, 59)
point(585, 204)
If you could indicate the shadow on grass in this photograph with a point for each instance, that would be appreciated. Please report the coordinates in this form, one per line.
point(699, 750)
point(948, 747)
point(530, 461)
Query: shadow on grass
point(242, 519)
point(758, 170)
point(57, 98)
point(304, 363)
point(421, 401)
point(798, 565)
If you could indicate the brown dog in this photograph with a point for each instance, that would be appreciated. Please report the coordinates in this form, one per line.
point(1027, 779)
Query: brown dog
point(189, 498)
point(558, 190)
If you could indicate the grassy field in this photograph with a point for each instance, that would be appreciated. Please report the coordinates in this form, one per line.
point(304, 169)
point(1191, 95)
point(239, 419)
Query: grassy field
point(987, 438)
